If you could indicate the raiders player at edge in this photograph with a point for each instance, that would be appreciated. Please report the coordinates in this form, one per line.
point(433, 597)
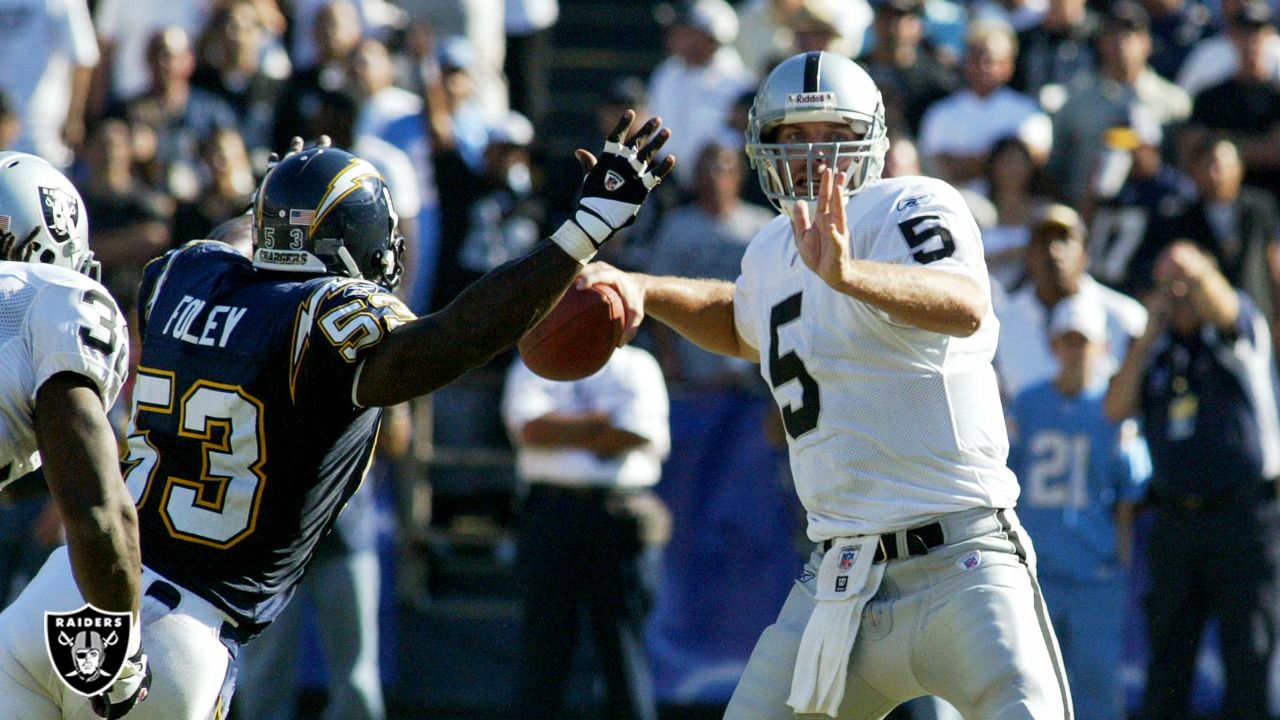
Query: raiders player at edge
point(64, 356)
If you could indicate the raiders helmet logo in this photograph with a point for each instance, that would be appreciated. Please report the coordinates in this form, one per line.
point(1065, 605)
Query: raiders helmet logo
point(87, 647)
point(613, 181)
point(61, 213)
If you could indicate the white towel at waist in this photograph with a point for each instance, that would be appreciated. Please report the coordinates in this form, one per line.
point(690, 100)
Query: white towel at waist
point(847, 579)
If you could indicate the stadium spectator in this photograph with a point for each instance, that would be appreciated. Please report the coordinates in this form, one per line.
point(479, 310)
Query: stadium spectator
point(1239, 225)
point(177, 116)
point(382, 102)
point(764, 36)
point(49, 53)
point(130, 220)
point(1018, 14)
point(480, 24)
point(1246, 106)
point(1082, 477)
point(336, 31)
point(1015, 187)
point(958, 132)
point(1132, 193)
point(1057, 53)
point(837, 26)
point(1215, 58)
point(469, 119)
point(509, 215)
point(372, 18)
point(1105, 101)
point(1177, 28)
point(125, 29)
point(226, 191)
point(528, 25)
point(700, 77)
point(230, 64)
point(1201, 381)
point(905, 65)
point(590, 530)
point(1056, 259)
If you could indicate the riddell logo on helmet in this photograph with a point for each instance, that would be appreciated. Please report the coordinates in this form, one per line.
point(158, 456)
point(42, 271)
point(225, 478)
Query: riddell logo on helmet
point(815, 99)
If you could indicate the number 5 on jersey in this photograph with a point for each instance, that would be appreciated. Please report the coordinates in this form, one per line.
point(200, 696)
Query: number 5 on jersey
point(785, 367)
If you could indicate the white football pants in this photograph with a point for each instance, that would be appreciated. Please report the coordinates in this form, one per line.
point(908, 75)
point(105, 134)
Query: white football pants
point(188, 662)
point(966, 622)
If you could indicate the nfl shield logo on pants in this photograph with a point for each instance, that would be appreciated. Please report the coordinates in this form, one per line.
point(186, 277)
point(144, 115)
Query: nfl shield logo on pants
point(87, 647)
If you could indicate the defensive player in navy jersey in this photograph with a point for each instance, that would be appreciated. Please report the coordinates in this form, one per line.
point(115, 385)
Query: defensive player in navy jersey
point(260, 386)
point(64, 354)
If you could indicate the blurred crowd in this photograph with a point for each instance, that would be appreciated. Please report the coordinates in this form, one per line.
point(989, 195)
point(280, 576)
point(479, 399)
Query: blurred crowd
point(1086, 135)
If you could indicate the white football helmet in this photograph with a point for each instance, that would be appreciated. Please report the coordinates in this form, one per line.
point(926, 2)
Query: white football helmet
point(42, 217)
point(816, 87)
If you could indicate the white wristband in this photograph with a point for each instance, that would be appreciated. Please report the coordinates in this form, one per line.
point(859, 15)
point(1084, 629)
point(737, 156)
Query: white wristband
point(574, 241)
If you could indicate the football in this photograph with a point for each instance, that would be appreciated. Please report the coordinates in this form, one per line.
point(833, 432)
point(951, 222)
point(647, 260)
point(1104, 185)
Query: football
point(578, 336)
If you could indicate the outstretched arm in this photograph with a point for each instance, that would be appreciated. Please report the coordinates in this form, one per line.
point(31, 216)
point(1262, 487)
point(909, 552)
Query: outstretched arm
point(700, 310)
point(496, 310)
point(82, 469)
point(943, 302)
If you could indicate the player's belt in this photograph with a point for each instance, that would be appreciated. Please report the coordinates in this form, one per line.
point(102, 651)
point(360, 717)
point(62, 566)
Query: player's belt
point(917, 541)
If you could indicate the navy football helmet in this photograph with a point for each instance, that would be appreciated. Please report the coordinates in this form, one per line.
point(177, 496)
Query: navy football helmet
point(327, 211)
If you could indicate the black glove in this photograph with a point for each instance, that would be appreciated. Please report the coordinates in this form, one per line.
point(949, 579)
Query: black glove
point(129, 689)
point(615, 187)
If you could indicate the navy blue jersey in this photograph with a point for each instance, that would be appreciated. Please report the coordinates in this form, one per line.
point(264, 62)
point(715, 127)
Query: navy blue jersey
point(246, 441)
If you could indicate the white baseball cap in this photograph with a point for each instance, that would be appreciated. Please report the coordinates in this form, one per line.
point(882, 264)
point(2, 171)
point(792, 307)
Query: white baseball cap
point(716, 18)
point(1082, 314)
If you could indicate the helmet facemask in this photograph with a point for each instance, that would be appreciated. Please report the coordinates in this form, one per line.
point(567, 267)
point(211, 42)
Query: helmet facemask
point(779, 165)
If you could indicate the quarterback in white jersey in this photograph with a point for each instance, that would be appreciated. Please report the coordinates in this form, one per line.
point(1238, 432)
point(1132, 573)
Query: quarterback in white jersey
point(64, 355)
point(868, 307)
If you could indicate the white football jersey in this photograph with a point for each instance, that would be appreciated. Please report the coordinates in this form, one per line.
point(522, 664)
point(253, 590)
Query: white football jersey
point(52, 320)
point(888, 425)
